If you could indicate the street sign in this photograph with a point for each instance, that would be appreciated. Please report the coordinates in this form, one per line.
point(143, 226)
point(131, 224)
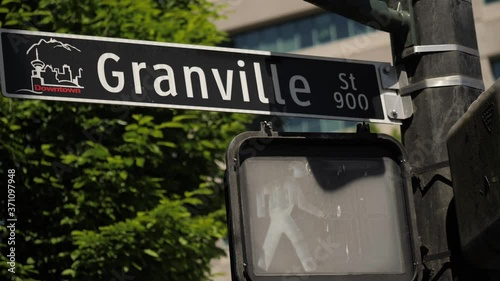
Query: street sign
point(39, 65)
point(320, 207)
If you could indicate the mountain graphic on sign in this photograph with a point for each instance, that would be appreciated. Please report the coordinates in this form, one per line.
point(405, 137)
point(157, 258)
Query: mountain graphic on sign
point(56, 43)
point(53, 69)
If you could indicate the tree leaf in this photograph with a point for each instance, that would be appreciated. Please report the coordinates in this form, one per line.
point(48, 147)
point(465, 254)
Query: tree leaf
point(123, 175)
point(68, 272)
point(151, 253)
point(170, 125)
point(139, 161)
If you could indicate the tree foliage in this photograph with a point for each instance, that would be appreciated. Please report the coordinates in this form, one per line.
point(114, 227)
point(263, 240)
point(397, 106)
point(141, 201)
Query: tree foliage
point(108, 191)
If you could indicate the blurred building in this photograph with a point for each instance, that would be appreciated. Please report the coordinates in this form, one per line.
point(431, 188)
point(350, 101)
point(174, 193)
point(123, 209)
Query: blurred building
point(299, 27)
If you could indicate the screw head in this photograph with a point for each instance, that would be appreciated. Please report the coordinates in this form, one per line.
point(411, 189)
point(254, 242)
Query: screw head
point(394, 114)
point(386, 69)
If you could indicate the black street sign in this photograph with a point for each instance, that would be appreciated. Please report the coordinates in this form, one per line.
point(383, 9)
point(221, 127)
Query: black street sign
point(49, 66)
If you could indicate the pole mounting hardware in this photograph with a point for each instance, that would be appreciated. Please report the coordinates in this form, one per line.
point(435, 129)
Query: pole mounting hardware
point(439, 82)
point(374, 13)
point(398, 107)
point(415, 50)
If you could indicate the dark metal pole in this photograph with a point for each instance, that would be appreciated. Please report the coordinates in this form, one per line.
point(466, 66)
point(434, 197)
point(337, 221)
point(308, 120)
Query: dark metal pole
point(438, 103)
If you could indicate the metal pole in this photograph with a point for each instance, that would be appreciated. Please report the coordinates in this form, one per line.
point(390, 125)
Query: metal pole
point(444, 78)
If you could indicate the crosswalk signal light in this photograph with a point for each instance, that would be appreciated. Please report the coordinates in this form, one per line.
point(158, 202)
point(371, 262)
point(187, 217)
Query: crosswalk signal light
point(320, 207)
point(474, 152)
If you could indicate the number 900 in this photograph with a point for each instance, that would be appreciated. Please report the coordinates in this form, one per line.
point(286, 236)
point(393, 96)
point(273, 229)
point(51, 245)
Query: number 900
point(351, 101)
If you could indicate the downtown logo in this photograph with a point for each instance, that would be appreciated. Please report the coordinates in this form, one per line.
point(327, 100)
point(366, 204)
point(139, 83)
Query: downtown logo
point(49, 77)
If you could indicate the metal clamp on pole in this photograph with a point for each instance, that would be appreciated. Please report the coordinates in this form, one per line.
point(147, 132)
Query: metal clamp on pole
point(415, 50)
point(446, 81)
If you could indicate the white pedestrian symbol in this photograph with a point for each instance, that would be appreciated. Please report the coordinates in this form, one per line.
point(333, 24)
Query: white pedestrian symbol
point(283, 197)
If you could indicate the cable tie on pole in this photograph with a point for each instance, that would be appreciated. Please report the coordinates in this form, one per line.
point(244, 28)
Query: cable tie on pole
point(422, 49)
point(445, 81)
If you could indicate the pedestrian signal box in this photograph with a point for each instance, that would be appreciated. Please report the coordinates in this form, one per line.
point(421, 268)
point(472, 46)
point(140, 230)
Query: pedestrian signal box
point(474, 151)
point(321, 207)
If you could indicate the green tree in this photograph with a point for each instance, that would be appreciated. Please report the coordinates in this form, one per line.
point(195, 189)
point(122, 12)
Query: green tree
point(108, 191)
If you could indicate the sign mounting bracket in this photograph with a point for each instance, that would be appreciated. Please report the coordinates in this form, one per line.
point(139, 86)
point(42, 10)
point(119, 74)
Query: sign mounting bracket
point(398, 107)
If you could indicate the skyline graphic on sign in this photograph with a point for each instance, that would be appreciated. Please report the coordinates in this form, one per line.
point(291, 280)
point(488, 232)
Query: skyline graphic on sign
point(48, 78)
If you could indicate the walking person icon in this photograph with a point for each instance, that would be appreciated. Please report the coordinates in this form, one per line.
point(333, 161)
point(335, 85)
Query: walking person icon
point(283, 197)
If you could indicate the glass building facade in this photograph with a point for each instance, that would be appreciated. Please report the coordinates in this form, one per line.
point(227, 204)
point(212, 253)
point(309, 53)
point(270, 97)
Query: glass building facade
point(300, 33)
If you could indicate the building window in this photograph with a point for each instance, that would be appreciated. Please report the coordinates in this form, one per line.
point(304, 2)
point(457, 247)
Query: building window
point(491, 1)
point(495, 67)
point(298, 34)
